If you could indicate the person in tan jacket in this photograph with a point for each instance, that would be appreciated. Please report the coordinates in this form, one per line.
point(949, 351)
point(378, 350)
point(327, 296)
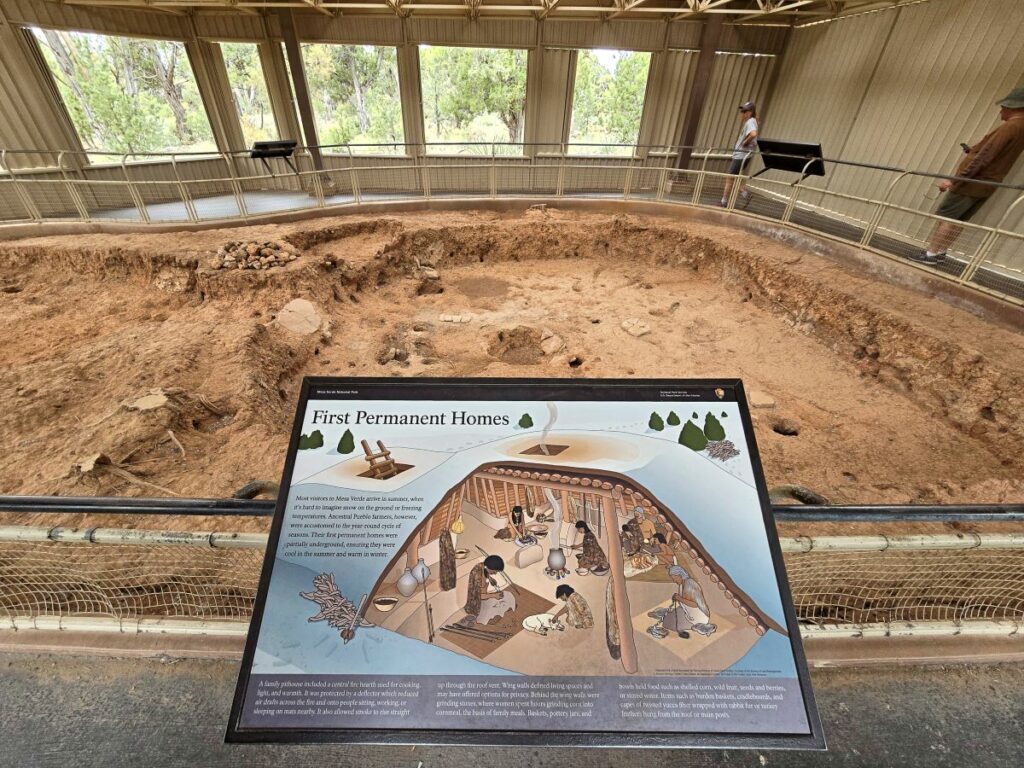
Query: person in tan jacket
point(988, 160)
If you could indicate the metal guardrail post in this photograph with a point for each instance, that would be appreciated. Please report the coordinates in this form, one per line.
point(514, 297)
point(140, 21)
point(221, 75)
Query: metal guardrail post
point(699, 186)
point(236, 187)
point(560, 184)
point(493, 177)
point(26, 199)
point(662, 182)
point(186, 199)
point(986, 245)
point(79, 204)
point(788, 213)
point(353, 175)
point(133, 192)
point(628, 181)
point(876, 217)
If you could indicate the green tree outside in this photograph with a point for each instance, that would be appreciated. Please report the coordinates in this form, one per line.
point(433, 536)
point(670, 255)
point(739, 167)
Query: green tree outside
point(608, 99)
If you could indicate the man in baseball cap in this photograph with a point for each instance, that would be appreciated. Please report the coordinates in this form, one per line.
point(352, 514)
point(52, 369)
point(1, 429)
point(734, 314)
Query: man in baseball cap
point(745, 146)
point(987, 161)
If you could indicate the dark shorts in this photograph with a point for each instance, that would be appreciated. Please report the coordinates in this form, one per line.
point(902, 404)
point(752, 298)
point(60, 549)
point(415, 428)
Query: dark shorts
point(737, 166)
point(959, 207)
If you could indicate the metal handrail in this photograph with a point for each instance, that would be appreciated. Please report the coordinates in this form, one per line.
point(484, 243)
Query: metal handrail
point(425, 167)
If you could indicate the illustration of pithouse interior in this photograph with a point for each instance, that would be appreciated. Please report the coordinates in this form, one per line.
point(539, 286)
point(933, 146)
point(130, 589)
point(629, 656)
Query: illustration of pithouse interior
point(543, 564)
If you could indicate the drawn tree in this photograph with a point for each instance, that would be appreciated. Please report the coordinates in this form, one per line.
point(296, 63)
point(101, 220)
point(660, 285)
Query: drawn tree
point(692, 437)
point(525, 421)
point(347, 444)
point(655, 422)
point(673, 419)
point(713, 429)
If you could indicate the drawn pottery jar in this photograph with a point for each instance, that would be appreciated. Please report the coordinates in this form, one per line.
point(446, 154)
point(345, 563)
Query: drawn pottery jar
point(556, 559)
point(420, 572)
point(407, 583)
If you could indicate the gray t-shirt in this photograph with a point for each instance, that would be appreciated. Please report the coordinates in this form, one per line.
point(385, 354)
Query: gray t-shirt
point(742, 153)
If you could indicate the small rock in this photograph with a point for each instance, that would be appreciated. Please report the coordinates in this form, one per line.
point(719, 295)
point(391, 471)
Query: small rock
point(759, 399)
point(635, 327)
point(552, 344)
point(401, 355)
point(299, 316)
point(155, 399)
point(430, 273)
point(421, 327)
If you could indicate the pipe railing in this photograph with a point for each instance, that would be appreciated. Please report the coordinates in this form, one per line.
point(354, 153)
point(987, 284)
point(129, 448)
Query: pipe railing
point(194, 191)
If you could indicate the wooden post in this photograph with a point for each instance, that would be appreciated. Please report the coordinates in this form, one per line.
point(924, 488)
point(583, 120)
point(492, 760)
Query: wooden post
point(495, 509)
point(299, 87)
point(618, 576)
point(709, 37)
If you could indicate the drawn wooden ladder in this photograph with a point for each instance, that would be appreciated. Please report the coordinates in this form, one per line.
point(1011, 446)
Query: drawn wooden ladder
point(382, 466)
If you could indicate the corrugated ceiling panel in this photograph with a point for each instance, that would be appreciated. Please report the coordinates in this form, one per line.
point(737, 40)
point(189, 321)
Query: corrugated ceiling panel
point(744, 38)
point(506, 33)
point(685, 34)
point(377, 30)
point(228, 26)
point(121, 21)
point(944, 67)
point(668, 92)
point(736, 78)
point(626, 35)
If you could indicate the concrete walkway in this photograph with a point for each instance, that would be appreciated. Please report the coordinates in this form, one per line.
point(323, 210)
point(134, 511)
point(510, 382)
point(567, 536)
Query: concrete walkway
point(91, 711)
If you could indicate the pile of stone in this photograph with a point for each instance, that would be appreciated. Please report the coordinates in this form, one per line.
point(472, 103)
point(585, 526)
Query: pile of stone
point(255, 255)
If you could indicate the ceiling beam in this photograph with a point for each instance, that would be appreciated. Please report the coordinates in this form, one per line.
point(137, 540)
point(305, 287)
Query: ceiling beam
point(699, 6)
point(316, 4)
point(626, 8)
point(776, 9)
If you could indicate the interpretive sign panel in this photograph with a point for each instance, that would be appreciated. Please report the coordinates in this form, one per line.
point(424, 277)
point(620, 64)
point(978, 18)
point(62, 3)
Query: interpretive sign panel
point(497, 561)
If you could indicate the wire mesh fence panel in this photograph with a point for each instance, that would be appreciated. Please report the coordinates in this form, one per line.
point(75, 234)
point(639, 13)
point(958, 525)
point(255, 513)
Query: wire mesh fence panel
point(466, 178)
point(715, 188)
point(761, 197)
point(516, 179)
point(908, 233)
point(681, 185)
point(213, 198)
point(1002, 268)
point(645, 181)
point(602, 179)
point(262, 194)
point(163, 200)
point(126, 581)
point(52, 198)
point(12, 207)
point(833, 214)
point(111, 200)
point(544, 176)
point(906, 585)
point(388, 183)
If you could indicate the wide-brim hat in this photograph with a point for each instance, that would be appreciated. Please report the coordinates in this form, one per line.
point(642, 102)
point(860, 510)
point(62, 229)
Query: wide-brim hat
point(1014, 100)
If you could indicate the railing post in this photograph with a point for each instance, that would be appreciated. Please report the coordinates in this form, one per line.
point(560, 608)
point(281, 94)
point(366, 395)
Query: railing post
point(876, 217)
point(493, 178)
point(560, 185)
point(353, 176)
point(628, 181)
point(699, 186)
point(76, 198)
point(140, 204)
point(662, 181)
point(788, 213)
point(986, 245)
point(186, 200)
point(26, 199)
point(236, 187)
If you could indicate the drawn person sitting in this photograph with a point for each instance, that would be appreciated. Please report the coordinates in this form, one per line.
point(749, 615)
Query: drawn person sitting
point(576, 609)
point(486, 600)
point(515, 528)
point(591, 557)
point(661, 550)
point(631, 537)
point(644, 523)
point(688, 611)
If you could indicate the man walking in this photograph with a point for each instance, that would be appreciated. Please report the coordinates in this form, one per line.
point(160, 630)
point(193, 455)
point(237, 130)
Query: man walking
point(745, 146)
point(988, 160)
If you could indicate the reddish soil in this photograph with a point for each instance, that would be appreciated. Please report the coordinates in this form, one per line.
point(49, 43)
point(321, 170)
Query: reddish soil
point(896, 397)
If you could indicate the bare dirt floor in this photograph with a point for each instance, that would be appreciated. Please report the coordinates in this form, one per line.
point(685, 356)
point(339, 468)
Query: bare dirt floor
point(131, 365)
